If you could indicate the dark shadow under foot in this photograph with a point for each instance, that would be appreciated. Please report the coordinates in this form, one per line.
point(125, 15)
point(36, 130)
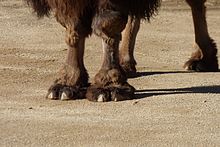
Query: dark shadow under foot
point(212, 89)
point(63, 92)
point(110, 93)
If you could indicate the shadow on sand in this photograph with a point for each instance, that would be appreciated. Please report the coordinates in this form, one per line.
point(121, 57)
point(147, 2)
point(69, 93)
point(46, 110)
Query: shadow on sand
point(148, 73)
point(139, 94)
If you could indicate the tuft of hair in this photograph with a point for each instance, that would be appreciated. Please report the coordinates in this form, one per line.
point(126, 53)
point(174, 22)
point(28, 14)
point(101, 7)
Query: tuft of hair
point(41, 7)
point(144, 8)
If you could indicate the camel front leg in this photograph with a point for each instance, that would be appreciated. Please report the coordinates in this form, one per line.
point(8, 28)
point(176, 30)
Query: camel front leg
point(110, 83)
point(127, 60)
point(205, 58)
point(73, 78)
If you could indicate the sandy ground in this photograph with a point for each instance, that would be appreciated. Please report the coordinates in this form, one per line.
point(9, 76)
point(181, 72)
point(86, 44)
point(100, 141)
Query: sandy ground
point(173, 107)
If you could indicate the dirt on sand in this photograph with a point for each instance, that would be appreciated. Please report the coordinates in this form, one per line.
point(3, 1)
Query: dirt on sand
point(173, 107)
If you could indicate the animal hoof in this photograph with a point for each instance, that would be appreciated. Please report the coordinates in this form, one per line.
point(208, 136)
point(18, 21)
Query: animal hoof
point(53, 92)
point(125, 92)
point(97, 94)
point(113, 93)
point(64, 97)
point(129, 70)
point(51, 96)
point(101, 98)
point(201, 66)
point(63, 92)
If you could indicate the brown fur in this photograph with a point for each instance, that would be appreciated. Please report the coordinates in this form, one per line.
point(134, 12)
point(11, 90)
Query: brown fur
point(75, 8)
point(41, 7)
point(65, 7)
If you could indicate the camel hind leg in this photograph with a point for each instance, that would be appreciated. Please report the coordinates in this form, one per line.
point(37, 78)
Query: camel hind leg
point(127, 60)
point(205, 58)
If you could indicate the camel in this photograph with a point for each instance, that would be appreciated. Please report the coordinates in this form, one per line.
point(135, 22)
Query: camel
point(107, 19)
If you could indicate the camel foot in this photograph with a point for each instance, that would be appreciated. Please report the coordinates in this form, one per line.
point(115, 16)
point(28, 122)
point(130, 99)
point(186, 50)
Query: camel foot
point(201, 65)
point(129, 69)
point(110, 93)
point(63, 92)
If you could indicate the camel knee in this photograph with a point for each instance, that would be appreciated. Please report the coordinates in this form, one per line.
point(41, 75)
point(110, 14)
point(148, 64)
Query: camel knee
point(72, 37)
point(75, 32)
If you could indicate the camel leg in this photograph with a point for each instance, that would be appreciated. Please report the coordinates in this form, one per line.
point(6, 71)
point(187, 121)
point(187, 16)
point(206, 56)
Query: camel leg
point(110, 83)
point(73, 78)
point(127, 60)
point(205, 58)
